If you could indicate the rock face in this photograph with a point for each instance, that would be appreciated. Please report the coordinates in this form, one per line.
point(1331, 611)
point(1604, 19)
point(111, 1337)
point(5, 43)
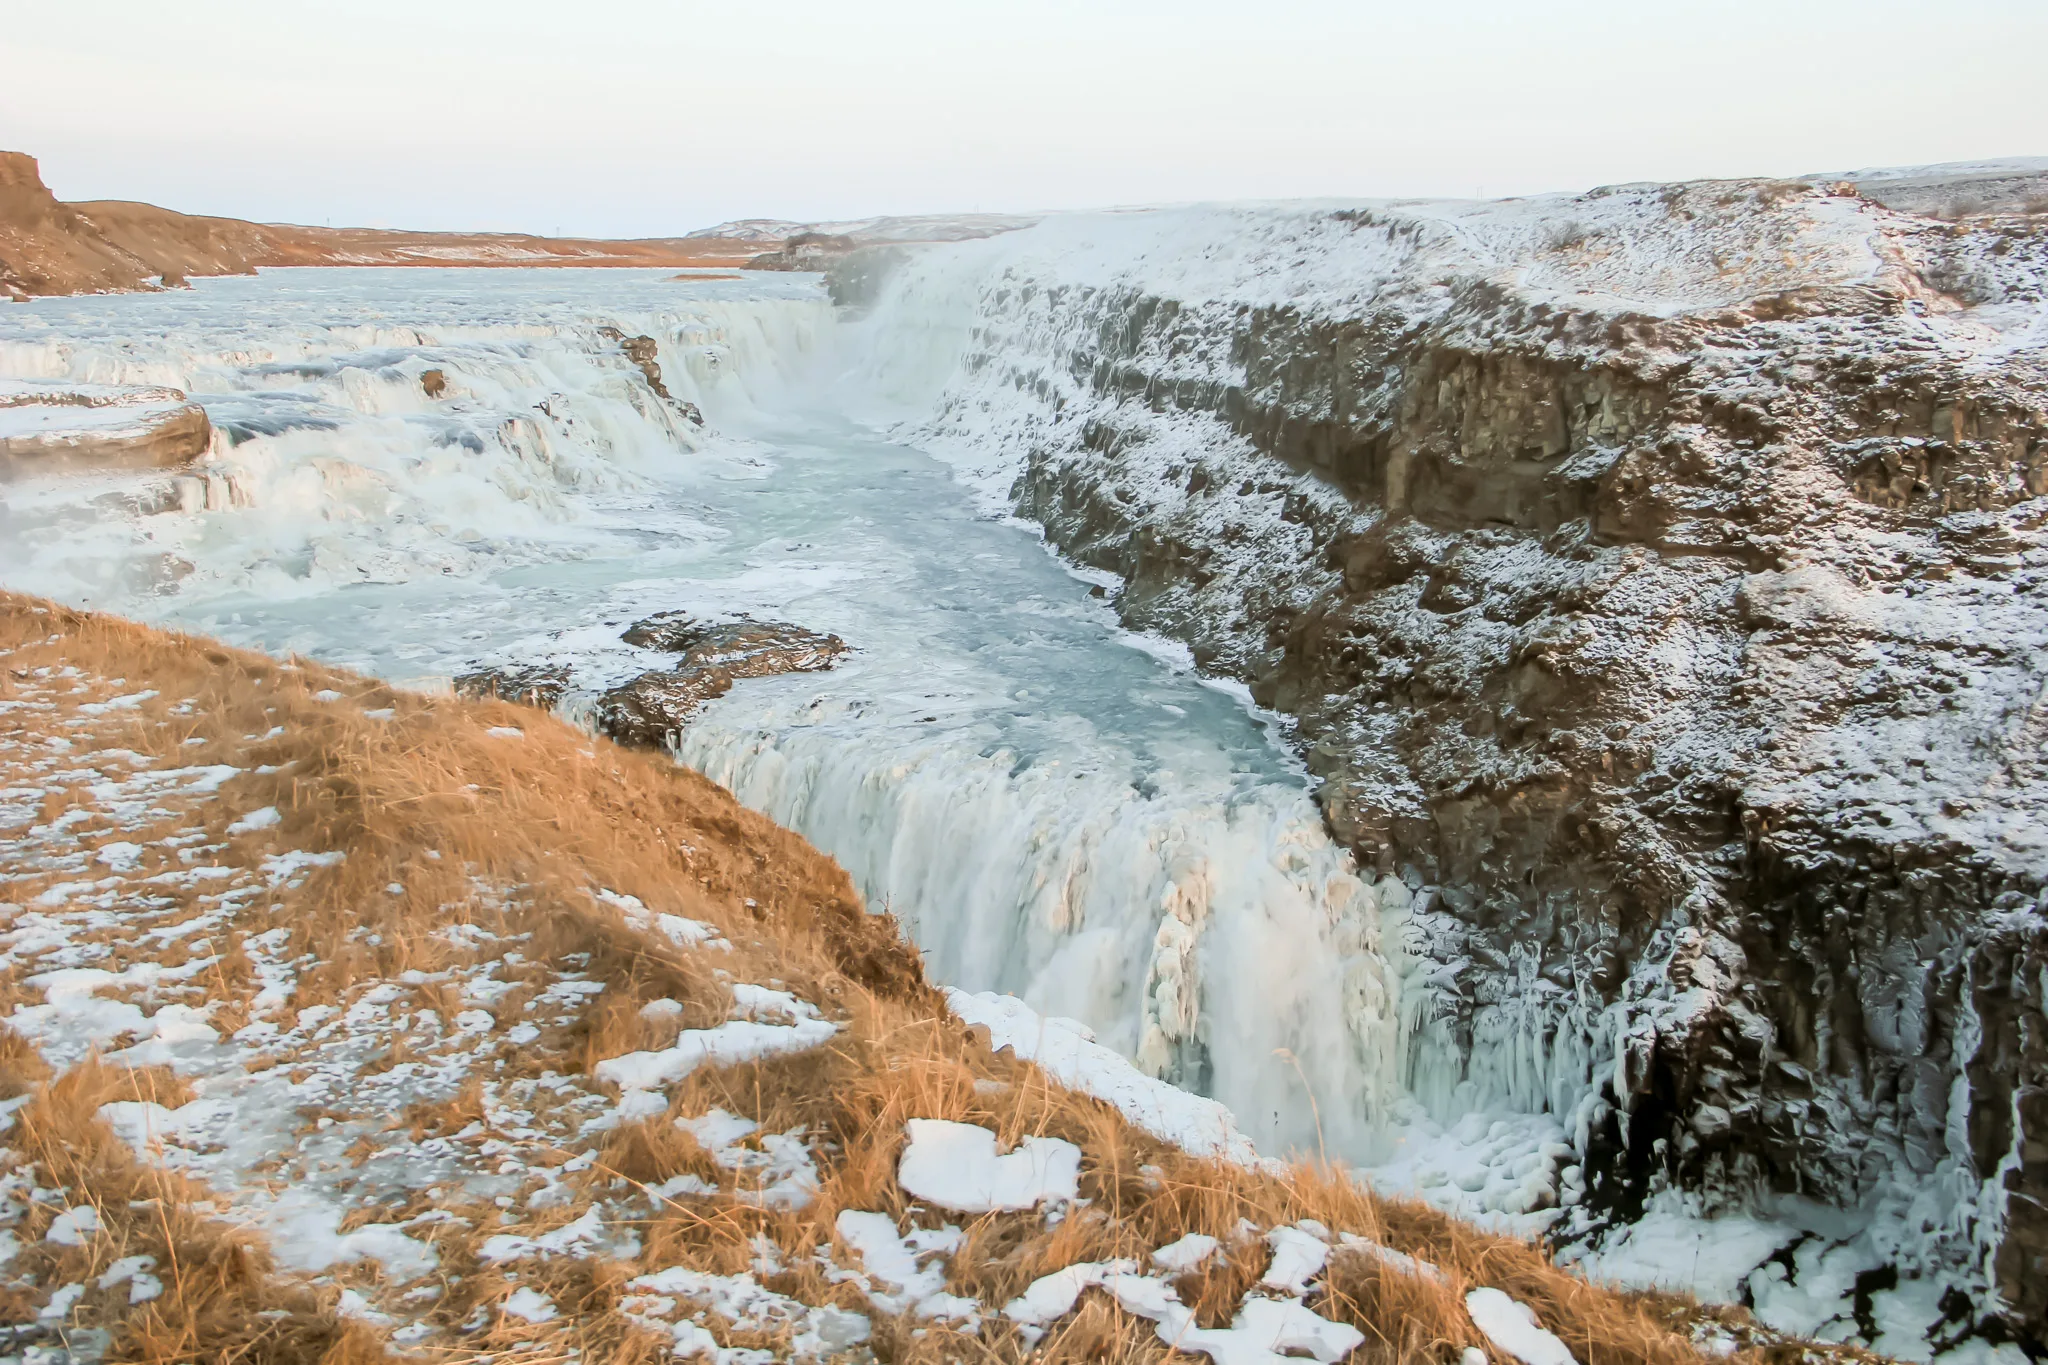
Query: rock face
point(652, 708)
point(46, 248)
point(1659, 579)
point(806, 251)
point(48, 429)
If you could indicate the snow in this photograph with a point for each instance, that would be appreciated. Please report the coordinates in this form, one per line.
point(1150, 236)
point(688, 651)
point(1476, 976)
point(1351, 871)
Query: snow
point(1051, 1297)
point(1188, 1253)
point(743, 1302)
point(955, 1166)
point(717, 1129)
point(1298, 1257)
point(911, 1276)
point(778, 1170)
point(60, 420)
point(62, 1302)
point(728, 1044)
point(1512, 1327)
point(529, 1305)
point(133, 1271)
point(74, 1227)
point(576, 1238)
point(265, 817)
point(1066, 1050)
point(1264, 1332)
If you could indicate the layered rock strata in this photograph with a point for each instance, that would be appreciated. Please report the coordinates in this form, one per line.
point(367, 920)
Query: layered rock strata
point(1657, 577)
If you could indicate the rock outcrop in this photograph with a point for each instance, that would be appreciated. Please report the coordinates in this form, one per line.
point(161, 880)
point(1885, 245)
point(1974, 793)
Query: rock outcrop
point(652, 708)
point(48, 248)
point(645, 353)
point(47, 429)
point(806, 251)
point(1658, 578)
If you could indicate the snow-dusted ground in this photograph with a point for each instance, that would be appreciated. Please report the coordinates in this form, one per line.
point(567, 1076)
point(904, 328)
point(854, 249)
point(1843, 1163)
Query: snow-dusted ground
point(415, 1132)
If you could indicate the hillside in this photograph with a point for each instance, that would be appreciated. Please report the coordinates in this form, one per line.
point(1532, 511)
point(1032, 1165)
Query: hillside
point(345, 1022)
point(48, 247)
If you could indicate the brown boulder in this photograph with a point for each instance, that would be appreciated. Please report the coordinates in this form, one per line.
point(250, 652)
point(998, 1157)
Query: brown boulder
point(47, 438)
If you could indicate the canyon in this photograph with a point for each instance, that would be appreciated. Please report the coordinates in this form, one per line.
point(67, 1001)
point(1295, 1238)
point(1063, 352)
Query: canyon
point(1566, 672)
point(1654, 578)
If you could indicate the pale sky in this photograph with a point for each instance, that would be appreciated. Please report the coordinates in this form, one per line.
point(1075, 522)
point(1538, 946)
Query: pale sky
point(643, 118)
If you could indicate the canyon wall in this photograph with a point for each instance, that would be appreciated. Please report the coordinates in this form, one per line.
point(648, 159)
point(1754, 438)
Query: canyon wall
point(1655, 580)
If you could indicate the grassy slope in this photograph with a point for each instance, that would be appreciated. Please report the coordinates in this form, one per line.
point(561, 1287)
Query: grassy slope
point(446, 824)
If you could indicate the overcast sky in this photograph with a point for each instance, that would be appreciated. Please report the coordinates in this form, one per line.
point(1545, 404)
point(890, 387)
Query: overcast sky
point(644, 117)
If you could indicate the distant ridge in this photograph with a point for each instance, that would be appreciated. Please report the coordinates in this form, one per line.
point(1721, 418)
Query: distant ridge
point(50, 247)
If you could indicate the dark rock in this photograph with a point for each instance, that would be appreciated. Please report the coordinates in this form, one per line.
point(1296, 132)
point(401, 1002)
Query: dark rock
point(540, 685)
point(653, 708)
point(644, 352)
point(673, 631)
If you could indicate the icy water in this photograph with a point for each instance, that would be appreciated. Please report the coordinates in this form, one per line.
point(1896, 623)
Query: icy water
point(1055, 808)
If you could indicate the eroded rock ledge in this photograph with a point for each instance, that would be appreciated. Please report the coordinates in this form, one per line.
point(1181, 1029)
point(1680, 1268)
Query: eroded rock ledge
point(59, 428)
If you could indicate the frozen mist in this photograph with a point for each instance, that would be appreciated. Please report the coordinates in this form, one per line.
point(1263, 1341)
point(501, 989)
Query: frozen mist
point(1056, 807)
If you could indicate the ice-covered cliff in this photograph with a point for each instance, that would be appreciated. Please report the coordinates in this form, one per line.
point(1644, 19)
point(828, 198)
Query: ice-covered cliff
point(1656, 576)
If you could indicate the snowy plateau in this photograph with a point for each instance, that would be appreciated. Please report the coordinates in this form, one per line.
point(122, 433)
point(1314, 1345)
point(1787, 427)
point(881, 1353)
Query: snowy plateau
point(1538, 701)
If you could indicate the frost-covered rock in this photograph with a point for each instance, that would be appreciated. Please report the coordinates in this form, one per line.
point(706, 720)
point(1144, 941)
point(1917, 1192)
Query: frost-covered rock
point(1656, 578)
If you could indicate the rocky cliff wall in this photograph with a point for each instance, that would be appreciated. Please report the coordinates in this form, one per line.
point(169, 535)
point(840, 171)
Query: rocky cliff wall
point(1656, 577)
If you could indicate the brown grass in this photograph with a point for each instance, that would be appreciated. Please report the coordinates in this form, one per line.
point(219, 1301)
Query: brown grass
point(221, 1302)
point(557, 814)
